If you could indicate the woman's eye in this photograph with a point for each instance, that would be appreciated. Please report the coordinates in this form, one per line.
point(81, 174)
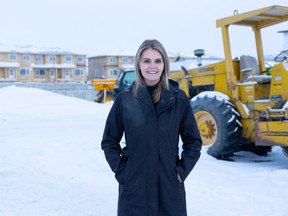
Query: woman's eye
point(147, 61)
point(158, 61)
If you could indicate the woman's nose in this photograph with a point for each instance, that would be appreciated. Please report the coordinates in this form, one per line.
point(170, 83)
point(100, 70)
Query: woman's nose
point(152, 65)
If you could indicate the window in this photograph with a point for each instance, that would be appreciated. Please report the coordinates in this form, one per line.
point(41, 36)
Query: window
point(52, 58)
point(113, 72)
point(11, 73)
point(25, 57)
point(124, 59)
point(67, 73)
point(79, 72)
point(132, 60)
point(80, 59)
point(112, 59)
point(13, 57)
point(40, 72)
point(69, 58)
point(97, 72)
point(38, 58)
point(52, 72)
point(24, 72)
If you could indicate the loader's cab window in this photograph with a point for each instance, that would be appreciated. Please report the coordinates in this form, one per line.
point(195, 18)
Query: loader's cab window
point(126, 80)
point(129, 78)
point(283, 56)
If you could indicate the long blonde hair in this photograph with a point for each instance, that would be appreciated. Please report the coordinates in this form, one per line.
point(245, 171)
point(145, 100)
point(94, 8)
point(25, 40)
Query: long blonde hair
point(140, 81)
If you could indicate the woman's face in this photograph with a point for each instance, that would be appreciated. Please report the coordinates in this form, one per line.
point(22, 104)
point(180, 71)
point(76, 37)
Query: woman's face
point(151, 65)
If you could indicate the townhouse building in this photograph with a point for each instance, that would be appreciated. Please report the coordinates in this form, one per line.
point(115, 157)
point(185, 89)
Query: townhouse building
point(30, 64)
point(109, 65)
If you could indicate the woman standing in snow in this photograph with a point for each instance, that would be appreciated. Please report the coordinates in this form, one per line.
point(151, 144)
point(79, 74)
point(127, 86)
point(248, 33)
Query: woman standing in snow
point(152, 114)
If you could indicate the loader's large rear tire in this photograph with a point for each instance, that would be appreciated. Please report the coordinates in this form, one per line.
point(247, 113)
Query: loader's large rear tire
point(218, 123)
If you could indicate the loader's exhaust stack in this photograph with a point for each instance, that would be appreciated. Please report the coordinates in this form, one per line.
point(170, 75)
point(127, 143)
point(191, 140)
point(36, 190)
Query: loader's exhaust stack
point(199, 53)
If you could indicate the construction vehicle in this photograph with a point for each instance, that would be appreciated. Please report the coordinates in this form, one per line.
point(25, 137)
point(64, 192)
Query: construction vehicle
point(108, 89)
point(105, 88)
point(238, 103)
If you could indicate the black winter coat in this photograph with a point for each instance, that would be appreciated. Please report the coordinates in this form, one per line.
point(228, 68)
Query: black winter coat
point(146, 169)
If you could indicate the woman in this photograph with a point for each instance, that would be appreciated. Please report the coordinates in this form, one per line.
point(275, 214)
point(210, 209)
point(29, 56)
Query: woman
point(152, 114)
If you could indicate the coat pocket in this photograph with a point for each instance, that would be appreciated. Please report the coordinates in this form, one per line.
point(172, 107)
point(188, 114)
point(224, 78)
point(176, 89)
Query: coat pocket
point(176, 181)
point(120, 174)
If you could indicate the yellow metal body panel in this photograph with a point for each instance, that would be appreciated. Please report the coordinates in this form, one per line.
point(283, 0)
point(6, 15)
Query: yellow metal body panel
point(256, 96)
point(205, 80)
point(184, 86)
point(104, 84)
point(279, 85)
point(262, 91)
point(263, 105)
point(247, 92)
point(221, 84)
point(179, 77)
point(212, 74)
point(248, 129)
point(271, 133)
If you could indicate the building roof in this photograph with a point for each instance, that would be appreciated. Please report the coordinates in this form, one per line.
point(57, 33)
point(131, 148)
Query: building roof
point(116, 53)
point(185, 55)
point(34, 50)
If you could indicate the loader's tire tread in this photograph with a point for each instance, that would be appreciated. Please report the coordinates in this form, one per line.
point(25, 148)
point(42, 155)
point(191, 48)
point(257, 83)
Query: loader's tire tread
point(258, 150)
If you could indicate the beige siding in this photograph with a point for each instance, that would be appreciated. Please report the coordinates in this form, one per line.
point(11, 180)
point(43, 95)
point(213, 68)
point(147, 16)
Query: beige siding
point(40, 71)
point(104, 65)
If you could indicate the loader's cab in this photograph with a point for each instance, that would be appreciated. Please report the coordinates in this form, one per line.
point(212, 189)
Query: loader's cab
point(252, 69)
point(124, 80)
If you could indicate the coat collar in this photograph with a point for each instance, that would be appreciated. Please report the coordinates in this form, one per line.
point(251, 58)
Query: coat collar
point(167, 98)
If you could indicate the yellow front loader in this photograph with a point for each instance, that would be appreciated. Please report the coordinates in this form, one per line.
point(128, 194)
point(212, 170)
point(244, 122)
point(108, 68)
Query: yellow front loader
point(238, 103)
point(105, 88)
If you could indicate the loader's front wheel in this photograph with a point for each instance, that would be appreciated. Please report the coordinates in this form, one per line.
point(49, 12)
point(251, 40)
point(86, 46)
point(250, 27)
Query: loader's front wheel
point(285, 151)
point(110, 96)
point(218, 123)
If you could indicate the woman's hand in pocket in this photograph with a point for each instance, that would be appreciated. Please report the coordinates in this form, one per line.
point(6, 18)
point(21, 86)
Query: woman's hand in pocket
point(179, 178)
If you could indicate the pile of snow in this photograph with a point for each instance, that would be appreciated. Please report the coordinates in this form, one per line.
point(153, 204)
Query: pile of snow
point(51, 163)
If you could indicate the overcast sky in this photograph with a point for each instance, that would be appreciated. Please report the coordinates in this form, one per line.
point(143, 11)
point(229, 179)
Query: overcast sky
point(97, 26)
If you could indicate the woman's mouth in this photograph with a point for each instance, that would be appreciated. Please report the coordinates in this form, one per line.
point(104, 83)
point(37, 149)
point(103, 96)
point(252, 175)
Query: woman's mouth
point(151, 72)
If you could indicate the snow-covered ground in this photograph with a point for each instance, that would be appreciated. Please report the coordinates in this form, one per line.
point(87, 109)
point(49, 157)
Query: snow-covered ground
point(51, 164)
